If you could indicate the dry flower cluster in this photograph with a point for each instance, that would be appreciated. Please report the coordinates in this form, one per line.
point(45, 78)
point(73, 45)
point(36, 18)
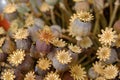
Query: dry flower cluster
point(60, 40)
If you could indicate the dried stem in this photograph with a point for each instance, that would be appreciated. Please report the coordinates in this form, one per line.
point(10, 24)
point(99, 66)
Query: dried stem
point(52, 15)
point(67, 38)
point(117, 2)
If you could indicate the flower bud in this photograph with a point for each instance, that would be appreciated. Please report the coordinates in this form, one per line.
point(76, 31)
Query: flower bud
point(116, 26)
point(92, 74)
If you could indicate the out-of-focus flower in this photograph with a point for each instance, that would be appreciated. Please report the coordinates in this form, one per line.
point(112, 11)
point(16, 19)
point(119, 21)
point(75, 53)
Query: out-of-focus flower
point(8, 75)
point(30, 76)
point(20, 34)
point(44, 7)
point(63, 57)
point(17, 57)
point(2, 41)
point(10, 8)
point(108, 36)
point(77, 72)
point(110, 72)
point(46, 35)
point(100, 78)
point(44, 63)
point(86, 42)
point(98, 67)
point(13, 27)
point(29, 21)
point(103, 53)
point(58, 42)
point(74, 48)
point(2, 31)
point(52, 76)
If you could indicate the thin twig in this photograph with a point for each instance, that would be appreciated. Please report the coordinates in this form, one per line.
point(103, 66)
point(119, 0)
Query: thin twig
point(114, 13)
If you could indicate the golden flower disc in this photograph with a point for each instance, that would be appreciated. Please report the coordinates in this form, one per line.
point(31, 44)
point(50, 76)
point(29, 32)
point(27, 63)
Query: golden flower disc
point(98, 67)
point(30, 76)
point(108, 36)
point(103, 53)
point(110, 72)
point(52, 76)
point(44, 63)
point(8, 75)
point(63, 57)
point(77, 72)
point(17, 57)
point(21, 34)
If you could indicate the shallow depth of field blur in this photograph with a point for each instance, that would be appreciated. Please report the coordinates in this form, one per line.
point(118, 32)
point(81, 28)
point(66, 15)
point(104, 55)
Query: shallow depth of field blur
point(59, 39)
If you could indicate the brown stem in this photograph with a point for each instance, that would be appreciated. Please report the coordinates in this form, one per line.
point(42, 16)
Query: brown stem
point(117, 3)
point(68, 38)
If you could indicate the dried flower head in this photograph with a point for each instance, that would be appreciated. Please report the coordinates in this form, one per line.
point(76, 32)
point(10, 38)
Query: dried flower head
point(73, 17)
point(44, 7)
point(63, 57)
point(103, 53)
point(17, 57)
point(77, 72)
point(30, 76)
point(44, 63)
point(21, 34)
point(29, 21)
point(2, 31)
point(100, 78)
point(98, 67)
point(108, 36)
point(58, 42)
point(52, 76)
point(110, 72)
point(46, 35)
point(74, 48)
point(2, 41)
point(8, 75)
point(10, 8)
point(86, 42)
point(85, 16)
